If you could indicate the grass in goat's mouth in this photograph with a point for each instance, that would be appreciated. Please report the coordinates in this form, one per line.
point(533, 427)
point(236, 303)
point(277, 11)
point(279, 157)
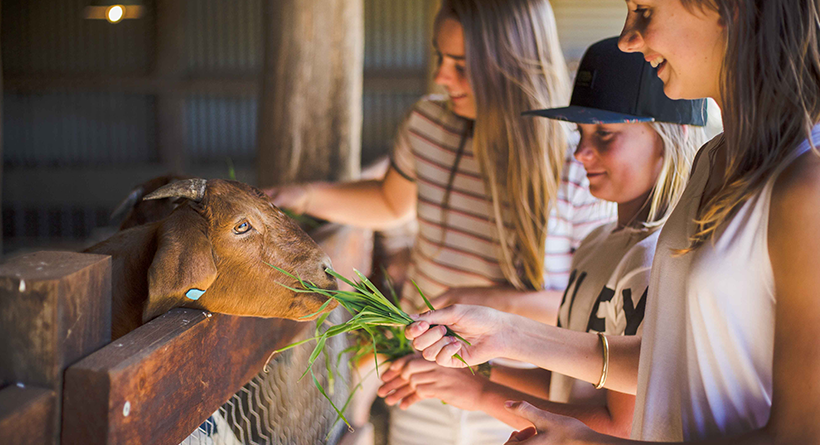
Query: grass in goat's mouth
point(377, 323)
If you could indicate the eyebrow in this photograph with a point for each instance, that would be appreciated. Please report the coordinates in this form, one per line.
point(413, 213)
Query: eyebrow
point(459, 58)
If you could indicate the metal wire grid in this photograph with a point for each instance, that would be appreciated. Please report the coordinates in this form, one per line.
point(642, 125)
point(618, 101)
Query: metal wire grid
point(278, 408)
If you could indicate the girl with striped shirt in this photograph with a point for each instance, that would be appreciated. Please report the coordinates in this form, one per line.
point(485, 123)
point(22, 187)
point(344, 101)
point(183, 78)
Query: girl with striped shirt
point(500, 201)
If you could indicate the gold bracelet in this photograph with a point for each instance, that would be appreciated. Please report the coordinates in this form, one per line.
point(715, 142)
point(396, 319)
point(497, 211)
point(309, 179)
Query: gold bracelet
point(605, 346)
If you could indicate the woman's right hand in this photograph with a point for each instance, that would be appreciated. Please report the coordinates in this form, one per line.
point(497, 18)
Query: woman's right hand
point(294, 197)
point(486, 329)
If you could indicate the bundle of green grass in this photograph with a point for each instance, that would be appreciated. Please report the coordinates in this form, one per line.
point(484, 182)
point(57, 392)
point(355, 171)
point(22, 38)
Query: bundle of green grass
point(376, 322)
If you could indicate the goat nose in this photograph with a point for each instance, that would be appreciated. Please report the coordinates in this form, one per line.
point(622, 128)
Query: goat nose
point(326, 265)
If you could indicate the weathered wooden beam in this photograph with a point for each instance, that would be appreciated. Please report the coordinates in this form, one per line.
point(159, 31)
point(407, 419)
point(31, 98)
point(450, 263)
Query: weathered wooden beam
point(310, 107)
point(55, 308)
point(26, 415)
point(159, 382)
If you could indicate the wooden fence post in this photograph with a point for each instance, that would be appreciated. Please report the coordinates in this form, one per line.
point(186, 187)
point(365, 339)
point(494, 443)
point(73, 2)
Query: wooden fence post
point(310, 107)
point(55, 308)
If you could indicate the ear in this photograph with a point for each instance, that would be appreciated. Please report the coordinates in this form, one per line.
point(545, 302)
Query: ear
point(183, 267)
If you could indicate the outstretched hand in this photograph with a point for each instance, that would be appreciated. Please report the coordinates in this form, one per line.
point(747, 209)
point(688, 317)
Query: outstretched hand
point(411, 379)
point(548, 428)
point(292, 197)
point(484, 328)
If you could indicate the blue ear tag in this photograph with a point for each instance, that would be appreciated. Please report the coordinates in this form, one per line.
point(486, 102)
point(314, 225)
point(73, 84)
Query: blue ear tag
point(194, 293)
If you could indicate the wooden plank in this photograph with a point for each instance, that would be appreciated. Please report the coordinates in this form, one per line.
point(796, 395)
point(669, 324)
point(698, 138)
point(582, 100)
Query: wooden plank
point(55, 307)
point(159, 382)
point(26, 415)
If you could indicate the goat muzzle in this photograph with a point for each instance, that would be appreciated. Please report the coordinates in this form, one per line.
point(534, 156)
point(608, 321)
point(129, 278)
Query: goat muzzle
point(193, 189)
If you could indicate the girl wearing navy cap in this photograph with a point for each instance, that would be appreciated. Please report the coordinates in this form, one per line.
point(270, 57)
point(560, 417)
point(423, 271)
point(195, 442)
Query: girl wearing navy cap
point(636, 155)
point(729, 348)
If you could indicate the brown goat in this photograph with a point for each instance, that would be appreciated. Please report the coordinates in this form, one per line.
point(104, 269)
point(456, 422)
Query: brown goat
point(210, 254)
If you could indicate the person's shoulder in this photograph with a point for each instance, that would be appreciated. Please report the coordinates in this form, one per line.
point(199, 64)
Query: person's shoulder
point(432, 113)
point(596, 236)
point(796, 193)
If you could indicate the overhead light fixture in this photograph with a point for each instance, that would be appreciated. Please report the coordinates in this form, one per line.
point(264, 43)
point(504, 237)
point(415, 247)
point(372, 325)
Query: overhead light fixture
point(114, 13)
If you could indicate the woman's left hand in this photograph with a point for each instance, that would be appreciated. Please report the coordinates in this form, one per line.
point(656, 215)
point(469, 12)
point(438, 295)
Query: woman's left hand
point(412, 378)
point(548, 428)
point(495, 297)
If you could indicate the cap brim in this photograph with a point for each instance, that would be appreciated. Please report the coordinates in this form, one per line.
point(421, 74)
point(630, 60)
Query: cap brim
point(586, 115)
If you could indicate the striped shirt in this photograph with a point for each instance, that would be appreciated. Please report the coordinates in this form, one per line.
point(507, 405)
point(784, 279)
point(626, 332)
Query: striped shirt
point(425, 150)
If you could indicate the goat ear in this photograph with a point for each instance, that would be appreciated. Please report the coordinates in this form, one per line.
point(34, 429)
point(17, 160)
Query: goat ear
point(183, 267)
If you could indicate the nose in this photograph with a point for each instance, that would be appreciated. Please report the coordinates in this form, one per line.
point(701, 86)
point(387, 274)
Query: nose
point(583, 152)
point(631, 40)
point(443, 75)
point(325, 264)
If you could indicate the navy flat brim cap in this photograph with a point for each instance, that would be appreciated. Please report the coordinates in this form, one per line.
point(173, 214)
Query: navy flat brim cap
point(612, 87)
point(586, 115)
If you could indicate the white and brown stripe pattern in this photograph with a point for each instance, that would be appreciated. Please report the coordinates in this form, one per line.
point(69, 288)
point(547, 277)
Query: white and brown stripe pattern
point(425, 151)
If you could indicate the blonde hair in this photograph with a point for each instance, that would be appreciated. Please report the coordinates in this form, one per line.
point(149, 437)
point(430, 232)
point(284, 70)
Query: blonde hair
point(680, 143)
point(770, 88)
point(514, 64)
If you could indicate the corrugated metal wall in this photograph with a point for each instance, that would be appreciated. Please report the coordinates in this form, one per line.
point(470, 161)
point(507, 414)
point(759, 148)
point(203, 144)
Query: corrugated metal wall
point(89, 131)
point(584, 22)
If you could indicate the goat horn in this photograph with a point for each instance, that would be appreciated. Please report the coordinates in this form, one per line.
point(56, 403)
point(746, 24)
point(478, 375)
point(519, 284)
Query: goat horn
point(127, 204)
point(193, 189)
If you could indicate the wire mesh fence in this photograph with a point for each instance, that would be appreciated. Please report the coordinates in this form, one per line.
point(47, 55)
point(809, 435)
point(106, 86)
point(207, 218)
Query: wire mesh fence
point(276, 407)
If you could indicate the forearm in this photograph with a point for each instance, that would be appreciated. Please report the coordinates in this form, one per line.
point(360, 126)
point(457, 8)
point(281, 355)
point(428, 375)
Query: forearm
point(597, 417)
point(360, 203)
point(535, 381)
point(575, 354)
point(541, 306)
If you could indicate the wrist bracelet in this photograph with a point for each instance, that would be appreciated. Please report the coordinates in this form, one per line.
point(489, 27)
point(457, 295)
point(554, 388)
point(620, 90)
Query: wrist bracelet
point(605, 347)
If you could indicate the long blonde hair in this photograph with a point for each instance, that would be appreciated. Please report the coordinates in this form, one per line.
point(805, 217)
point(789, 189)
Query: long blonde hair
point(514, 64)
point(680, 143)
point(770, 88)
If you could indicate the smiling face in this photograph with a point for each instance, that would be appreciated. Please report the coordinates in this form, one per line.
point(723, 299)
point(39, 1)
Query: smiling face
point(622, 161)
point(451, 71)
point(686, 45)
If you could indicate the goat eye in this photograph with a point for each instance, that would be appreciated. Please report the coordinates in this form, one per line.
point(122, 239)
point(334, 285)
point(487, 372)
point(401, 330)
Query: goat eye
point(242, 227)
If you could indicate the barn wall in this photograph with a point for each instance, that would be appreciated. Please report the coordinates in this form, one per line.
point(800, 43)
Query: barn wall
point(85, 101)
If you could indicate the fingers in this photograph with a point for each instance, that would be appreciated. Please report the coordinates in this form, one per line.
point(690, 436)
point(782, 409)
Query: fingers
point(431, 352)
point(427, 338)
point(396, 367)
point(520, 436)
point(445, 356)
point(399, 394)
point(411, 373)
point(410, 400)
point(444, 316)
point(537, 417)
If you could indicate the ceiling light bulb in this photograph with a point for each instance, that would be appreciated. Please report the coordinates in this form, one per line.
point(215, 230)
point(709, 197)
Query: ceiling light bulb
point(115, 13)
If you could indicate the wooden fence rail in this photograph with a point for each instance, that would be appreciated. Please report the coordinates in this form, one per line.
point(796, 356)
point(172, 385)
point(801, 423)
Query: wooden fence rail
point(154, 385)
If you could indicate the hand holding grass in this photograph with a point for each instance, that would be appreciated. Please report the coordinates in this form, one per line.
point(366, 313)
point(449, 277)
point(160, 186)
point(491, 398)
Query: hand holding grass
point(483, 329)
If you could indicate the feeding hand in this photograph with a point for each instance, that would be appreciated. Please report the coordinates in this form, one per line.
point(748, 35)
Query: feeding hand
point(482, 327)
point(293, 197)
